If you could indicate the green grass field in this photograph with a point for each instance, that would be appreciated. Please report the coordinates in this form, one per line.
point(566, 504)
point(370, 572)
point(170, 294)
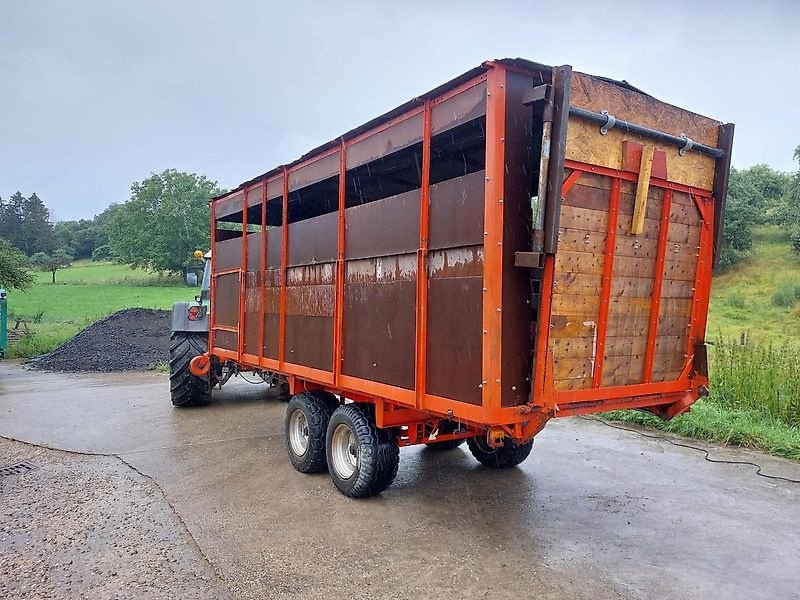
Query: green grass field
point(760, 297)
point(755, 403)
point(84, 293)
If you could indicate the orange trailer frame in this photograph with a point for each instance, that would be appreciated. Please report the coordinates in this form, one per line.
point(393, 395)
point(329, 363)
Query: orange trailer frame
point(411, 410)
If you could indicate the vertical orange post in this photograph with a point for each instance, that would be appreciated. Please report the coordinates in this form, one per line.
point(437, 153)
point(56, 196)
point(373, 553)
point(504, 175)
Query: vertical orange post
point(242, 277)
point(422, 258)
point(658, 282)
point(212, 283)
point(338, 332)
point(284, 259)
point(605, 290)
point(702, 280)
point(262, 290)
point(493, 240)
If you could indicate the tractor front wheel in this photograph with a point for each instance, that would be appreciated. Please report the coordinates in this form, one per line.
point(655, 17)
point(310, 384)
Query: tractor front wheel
point(187, 389)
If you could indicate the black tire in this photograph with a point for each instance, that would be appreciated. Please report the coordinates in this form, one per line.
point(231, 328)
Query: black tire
point(187, 389)
point(446, 427)
point(510, 454)
point(374, 451)
point(311, 412)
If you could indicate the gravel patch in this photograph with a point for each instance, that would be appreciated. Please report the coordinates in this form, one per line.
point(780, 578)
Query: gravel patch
point(82, 526)
point(133, 339)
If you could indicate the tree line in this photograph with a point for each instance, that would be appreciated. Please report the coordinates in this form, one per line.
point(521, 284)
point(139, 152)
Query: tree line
point(167, 216)
point(759, 196)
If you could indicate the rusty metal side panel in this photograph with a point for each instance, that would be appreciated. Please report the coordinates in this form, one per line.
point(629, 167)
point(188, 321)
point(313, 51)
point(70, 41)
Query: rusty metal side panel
point(394, 138)
point(227, 340)
point(384, 227)
point(252, 311)
point(228, 254)
point(379, 319)
point(454, 344)
point(314, 172)
point(310, 300)
point(254, 195)
point(469, 104)
point(518, 188)
point(314, 240)
point(272, 319)
point(456, 212)
point(254, 251)
point(274, 247)
point(226, 305)
point(228, 205)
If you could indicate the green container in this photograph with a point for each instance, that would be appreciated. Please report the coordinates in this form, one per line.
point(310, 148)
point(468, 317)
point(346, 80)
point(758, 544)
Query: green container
point(3, 324)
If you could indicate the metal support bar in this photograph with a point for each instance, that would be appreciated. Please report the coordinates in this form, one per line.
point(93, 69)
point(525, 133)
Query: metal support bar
point(606, 121)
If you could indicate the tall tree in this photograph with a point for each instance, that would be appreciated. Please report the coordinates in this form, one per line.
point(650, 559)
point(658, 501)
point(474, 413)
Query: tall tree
point(37, 230)
point(14, 271)
point(11, 217)
point(165, 220)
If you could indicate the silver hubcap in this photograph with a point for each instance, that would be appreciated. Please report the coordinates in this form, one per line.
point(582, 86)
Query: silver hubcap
point(344, 451)
point(298, 433)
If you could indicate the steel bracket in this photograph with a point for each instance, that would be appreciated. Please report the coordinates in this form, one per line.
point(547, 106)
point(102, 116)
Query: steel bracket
point(689, 143)
point(609, 124)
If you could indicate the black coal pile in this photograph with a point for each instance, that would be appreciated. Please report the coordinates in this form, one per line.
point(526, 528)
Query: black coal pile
point(133, 339)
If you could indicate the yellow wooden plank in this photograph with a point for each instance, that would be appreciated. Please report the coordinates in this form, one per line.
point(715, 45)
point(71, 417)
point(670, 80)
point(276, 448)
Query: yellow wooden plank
point(643, 187)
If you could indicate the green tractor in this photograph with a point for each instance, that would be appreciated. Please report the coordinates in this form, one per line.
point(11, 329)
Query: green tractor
point(189, 338)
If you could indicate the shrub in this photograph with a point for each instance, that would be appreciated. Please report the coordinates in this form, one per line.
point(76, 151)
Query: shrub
point(786, 294)
point(102, 253)
point(736, 300)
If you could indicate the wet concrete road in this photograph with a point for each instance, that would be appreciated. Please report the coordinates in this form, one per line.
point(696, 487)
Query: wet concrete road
point(594, 512)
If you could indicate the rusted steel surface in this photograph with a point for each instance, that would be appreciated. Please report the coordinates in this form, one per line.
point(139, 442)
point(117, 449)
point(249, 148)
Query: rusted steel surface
point(313, 240)
point(454, 341)
point(226, 309)
point(378, 320)
point(399, 136)
point(228, 254)
point(310, 294)
point(274, 241)
point(272, 306)
point(456, 212)
point(383, 227)
point(228, 206)
point(254, 251)
point(385, 270)
point(314, 172)
point(459, 109)
point(252, 312)
point(518, 187)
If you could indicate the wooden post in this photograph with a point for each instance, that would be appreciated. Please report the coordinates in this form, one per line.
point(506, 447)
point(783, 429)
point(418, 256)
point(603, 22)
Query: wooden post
point(642, 188)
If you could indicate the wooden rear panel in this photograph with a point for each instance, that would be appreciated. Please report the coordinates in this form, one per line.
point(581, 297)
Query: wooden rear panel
point(617, 292)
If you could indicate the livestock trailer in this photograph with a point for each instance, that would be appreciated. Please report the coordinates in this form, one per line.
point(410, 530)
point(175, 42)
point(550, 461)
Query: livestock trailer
point(523, 242)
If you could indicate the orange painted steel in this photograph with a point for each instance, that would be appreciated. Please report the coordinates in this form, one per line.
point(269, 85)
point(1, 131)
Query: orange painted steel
point(338, 316)
point(413, 410)
point(658, 281)
point(492, 355)
point(284, 261)
point(421, 361)
point(262, 288)
point(605, 289)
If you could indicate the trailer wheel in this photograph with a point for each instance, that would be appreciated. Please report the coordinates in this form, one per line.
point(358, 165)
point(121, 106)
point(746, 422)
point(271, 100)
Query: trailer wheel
point(509, 455)
point(362, 459)
point(185, 388)
point(306, 424)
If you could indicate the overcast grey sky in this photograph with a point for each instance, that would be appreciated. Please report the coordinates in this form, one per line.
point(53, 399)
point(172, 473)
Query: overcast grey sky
point(97, 94)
